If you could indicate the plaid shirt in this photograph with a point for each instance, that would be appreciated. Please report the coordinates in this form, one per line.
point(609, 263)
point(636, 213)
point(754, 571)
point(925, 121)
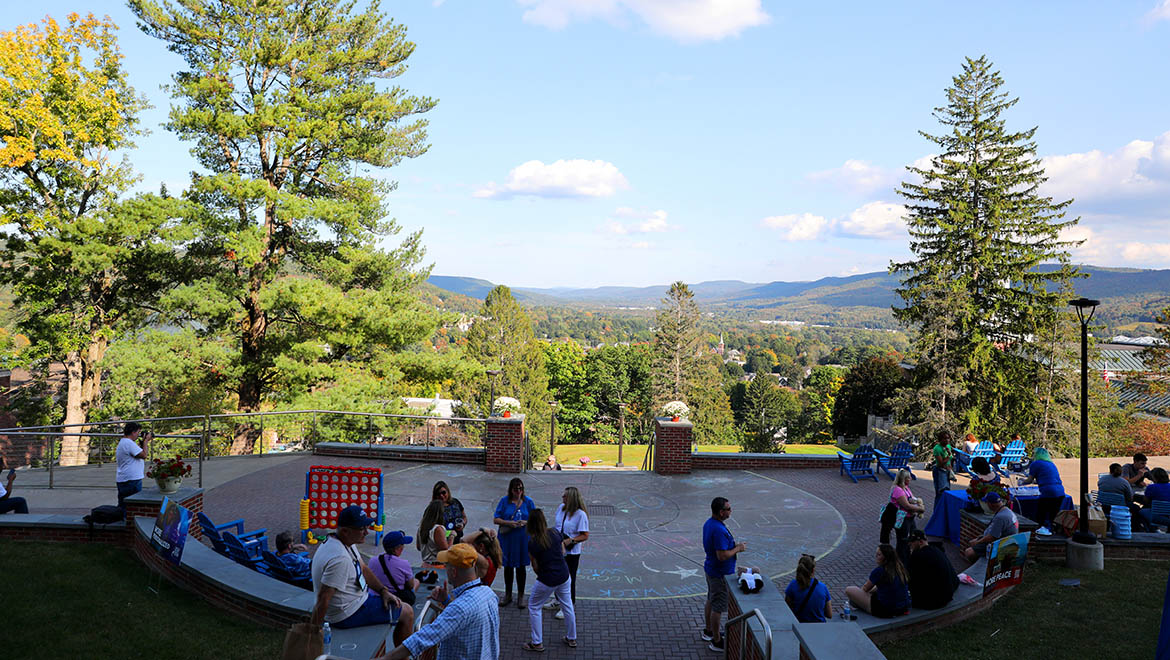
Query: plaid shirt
point(468, 629)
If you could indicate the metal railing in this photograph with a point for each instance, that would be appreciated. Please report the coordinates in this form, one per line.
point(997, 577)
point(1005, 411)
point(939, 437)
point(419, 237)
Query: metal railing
point(199, 437)
point(648, 459)
point(742, 618)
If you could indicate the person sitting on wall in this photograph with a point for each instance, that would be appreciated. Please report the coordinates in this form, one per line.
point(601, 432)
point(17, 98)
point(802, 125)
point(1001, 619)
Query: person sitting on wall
point(932, 578)
point(884, 594)
point(807, 597)
point(7, 501)
point(294, 556)
point(1003, 523)
point(982, 473)
point(1157, 491)
point(551, 463)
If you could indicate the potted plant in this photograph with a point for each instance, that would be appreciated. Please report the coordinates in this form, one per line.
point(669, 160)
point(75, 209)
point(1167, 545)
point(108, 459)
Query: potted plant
point(169, 473)
point(979, 488)
point(675, 409)
point(505, 406)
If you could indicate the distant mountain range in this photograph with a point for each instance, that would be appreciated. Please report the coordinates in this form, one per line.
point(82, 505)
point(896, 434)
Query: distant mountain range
point(862, 290)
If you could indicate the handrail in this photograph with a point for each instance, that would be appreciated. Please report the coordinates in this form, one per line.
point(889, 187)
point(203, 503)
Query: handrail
point(270, 413)
point(743, 632)
point(90, 434)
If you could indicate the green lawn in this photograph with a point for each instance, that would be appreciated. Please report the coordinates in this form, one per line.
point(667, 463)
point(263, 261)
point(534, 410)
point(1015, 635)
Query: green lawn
point(91, 601)
point(1114, 613)
point(632, 455)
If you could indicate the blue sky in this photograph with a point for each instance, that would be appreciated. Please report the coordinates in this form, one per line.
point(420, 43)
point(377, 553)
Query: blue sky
point(637, 142)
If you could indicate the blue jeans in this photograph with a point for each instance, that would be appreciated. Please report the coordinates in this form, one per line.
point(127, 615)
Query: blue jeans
point(371, 613)
point(126, 489)
point(942, 481)
point(16, 504)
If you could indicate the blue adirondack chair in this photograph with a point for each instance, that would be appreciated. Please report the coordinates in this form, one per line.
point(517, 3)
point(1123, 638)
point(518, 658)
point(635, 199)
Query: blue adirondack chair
point(898, 458)
point(860, 464)
point(212, 532)
point(962, 463)
point(1013, 457)
point(1161, 512)
point(276, 568)
point(986, 450)
point(247, 555)
point(1109, 499)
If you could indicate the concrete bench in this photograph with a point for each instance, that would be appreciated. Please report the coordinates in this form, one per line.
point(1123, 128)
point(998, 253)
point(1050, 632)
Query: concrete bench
point(838, 639)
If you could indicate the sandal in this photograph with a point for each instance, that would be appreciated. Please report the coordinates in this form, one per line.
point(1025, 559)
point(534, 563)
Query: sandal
point(571, 643)
point(535, 648)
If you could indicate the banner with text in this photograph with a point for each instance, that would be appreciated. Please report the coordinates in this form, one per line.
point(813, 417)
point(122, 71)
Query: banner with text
point(1005, 562)
point(170, 530)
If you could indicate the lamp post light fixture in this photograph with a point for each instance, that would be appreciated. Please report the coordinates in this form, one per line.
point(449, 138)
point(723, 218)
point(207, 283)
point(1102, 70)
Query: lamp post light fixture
point(621, 432)
point(552, 432)
point(1085, 309)
point(492, 373)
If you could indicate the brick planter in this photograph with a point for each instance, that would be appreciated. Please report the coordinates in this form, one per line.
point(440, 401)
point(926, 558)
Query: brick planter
point(504, 444)
point(672, 446)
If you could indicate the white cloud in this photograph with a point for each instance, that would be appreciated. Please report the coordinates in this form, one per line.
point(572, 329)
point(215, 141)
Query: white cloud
point(1135, 174)
point(563, 178)
point(1146, 253)
point(1160, 12)
point(876, 220)
point(641, 245)
point(798, 226)
point(651, 221)
point(683, 20)
point(857, 176)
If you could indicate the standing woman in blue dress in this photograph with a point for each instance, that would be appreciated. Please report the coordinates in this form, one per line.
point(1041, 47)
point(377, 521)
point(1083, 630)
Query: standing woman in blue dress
point(512, 516)
point(1042, 471)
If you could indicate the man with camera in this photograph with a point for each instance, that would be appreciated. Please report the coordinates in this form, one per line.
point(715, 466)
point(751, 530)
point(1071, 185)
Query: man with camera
point(131, 461)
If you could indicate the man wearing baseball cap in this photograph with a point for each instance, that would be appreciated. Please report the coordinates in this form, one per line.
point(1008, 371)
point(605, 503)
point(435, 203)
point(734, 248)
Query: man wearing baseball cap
point(340, 578)
point(1003, 523)
point(469, 627)
point(932, 578)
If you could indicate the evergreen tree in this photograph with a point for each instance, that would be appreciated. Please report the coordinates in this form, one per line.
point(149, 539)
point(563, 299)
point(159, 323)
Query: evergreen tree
point(865, 391)
point(286, 107)
point(620, 374)
point(979, 232)
point(710, 406)
point(676, 344)
point(502, 339)
point(568, 382)
point(768, 409)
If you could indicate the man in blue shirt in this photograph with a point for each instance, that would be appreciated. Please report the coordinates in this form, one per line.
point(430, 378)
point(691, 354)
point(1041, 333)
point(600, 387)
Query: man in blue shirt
point(721, 550)
point(469, 627)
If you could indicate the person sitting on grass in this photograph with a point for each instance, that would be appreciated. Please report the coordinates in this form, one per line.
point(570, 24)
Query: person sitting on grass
point(294, 556)
point(807, 598)
point(884, 594)
point(932, 578)
point(1003, 524)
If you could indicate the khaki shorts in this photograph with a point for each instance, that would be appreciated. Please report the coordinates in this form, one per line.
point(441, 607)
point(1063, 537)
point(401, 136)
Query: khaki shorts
point(717, 593)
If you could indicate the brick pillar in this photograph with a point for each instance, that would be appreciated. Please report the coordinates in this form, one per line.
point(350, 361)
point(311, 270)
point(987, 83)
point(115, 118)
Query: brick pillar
point(504, 444)
point(148, 501)
point(672, 446)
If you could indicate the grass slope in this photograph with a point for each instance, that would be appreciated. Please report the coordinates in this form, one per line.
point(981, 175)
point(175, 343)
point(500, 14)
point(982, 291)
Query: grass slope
point(91, 601)
point(1115, 613)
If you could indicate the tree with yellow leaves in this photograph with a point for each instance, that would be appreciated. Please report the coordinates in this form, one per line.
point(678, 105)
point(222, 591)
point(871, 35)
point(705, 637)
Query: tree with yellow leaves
point(83, 262)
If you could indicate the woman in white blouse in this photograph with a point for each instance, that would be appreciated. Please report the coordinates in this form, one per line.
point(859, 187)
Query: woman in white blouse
point(572, 521)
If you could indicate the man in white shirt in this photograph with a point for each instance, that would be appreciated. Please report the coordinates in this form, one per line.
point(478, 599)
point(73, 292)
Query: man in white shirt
point(340, 577)
point(131, 461)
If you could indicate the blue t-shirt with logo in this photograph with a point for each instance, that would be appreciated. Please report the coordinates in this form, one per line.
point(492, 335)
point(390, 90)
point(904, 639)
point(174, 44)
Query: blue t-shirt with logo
point(716, 537)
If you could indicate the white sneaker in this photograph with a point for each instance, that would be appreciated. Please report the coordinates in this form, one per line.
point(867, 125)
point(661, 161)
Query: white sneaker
point(561, 615)
point(550, 605)
point(1043, 531)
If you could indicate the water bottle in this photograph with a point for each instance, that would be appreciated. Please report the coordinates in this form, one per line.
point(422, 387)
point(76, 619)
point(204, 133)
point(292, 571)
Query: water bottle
point(327, 636)
point(846, 611)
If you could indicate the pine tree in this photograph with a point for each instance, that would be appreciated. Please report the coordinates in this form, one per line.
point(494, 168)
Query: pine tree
point(979, 232)
point(676, 344)
point(768, 408)
point(287, 108)
point(502, 339)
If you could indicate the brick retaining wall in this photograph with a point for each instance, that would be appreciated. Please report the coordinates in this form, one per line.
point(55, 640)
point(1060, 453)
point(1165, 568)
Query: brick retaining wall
point(728, 461)
point(465, 455)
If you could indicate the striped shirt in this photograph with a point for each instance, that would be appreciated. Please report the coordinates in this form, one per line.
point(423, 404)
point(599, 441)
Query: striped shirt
point(468, 629)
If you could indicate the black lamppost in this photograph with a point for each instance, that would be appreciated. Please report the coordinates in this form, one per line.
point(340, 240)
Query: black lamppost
point(621, 432)
point(492, 373)
point(552, 433)
point(1085, 310)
